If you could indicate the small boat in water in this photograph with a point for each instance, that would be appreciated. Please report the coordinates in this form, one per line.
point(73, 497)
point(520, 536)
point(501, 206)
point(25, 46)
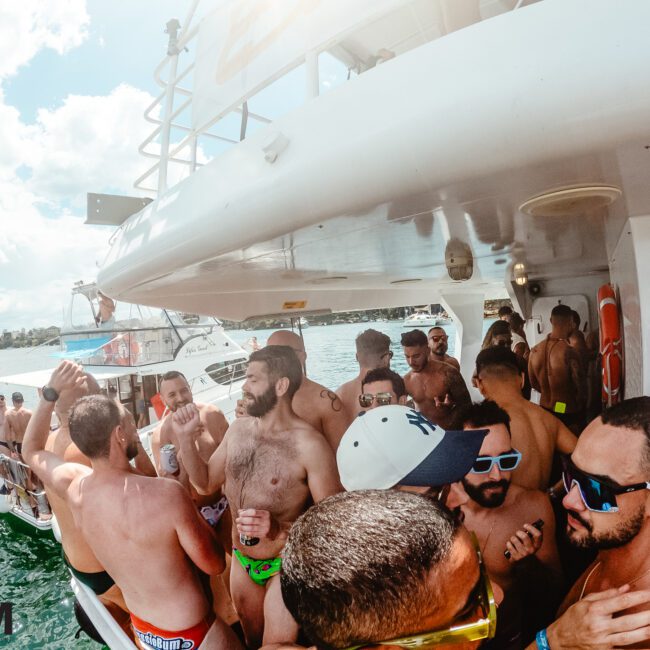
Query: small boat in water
point(420, 318)
point(128, 356)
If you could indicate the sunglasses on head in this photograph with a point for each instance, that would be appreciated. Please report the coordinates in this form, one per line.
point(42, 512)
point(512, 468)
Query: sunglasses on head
point(480, 602)
point(388, 354)
point(507, 462)
point(435, 339)
point(367, 399)
point(598, 493)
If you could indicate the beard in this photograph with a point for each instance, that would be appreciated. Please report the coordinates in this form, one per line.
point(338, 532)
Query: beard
point(131, 450)
point(258, 406)
point(176, 405)
point(479, 494)
point(623, 533)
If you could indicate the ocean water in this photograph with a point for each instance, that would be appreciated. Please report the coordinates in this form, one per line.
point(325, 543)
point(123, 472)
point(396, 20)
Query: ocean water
point(32, 574)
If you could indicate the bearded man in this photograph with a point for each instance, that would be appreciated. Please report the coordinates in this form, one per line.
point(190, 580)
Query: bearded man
point(273, 466)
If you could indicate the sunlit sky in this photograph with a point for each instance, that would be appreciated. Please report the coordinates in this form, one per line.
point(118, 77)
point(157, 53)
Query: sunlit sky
point(75, 79)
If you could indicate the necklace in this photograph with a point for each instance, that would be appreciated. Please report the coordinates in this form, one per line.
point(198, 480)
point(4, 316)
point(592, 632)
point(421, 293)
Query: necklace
point(626, 582)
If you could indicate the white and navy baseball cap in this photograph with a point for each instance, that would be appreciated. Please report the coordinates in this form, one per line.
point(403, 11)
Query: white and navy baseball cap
point(396, 445)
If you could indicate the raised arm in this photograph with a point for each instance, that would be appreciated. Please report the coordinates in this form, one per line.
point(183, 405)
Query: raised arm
point(205, 477)
point(51, 469)
point(320, 464)
point(532, 373)
point(194, 534)
point(565, 440)
point(215, 422)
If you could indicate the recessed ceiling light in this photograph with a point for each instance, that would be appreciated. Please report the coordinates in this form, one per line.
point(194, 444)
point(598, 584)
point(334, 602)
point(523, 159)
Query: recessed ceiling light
point(571, 201)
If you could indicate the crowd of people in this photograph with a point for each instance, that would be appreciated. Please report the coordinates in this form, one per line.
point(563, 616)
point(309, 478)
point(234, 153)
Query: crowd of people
point(392, 511)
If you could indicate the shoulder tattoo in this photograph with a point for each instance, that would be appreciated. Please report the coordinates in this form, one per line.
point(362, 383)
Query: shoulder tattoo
point(336, 403)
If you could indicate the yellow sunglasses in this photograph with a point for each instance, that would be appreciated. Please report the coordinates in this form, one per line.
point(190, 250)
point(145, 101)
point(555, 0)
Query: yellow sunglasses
point(482, 628)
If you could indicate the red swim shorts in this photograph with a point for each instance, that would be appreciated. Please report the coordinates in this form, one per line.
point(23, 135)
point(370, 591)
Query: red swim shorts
point(153, 638)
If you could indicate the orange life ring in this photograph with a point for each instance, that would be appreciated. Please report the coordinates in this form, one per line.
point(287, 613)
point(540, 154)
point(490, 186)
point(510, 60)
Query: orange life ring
point(611, 345)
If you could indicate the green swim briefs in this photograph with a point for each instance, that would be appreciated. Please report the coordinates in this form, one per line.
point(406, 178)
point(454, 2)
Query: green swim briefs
point(259, 571)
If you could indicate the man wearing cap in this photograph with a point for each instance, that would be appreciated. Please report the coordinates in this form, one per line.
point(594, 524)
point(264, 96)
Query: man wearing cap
point(397, 446)
point(16, 422)
point(437, 388)
point(502, 515)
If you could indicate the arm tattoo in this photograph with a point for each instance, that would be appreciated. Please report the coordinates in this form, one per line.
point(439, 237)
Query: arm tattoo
point(337, 405)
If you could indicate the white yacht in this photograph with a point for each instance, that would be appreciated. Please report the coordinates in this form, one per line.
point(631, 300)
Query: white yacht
point(420, 318)
point(128, 355)
point(468, 149)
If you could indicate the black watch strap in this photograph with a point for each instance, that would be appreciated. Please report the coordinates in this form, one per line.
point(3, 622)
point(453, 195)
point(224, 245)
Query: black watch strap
point(49, 394)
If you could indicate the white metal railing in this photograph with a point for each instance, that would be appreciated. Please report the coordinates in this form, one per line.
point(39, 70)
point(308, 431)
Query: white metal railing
point(184, 152)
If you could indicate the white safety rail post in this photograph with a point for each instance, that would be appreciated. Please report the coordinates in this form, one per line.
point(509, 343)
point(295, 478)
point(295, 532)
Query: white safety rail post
point(467, 311)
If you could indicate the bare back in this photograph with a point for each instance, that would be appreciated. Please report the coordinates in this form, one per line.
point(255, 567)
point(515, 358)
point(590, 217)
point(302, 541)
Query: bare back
point(16, 423)
point(321, 409)
point(554, 368)
point(349, 393)
point(535, 434)
point(3, 417)
point(77, 550)
point(137, 535)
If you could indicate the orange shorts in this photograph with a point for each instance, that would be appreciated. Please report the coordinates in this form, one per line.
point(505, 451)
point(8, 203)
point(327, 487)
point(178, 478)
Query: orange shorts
point(150, 637)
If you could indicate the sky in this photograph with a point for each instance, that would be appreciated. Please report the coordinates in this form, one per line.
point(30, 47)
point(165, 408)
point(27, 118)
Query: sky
point(75, 79)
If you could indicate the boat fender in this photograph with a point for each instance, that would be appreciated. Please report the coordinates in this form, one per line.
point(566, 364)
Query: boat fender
point(85, 624)
point(611, 345)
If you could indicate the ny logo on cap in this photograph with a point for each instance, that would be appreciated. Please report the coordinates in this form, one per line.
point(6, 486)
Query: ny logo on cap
point(418, 420)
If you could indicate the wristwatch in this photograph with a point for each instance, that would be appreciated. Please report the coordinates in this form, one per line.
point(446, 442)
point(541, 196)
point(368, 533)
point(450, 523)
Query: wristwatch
point(49, 394)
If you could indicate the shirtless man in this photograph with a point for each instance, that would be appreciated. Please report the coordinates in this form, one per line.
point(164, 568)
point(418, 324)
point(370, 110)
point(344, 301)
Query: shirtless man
point(77, 554)
point(535, 433)
point(175, 393)
point(501, 514)
point(555, 371)
point(373, 351)
point(313, 403)
point(16, 421)
point(438, 345)
point(381, 387)
point(613, 451)
point(273, 465)
point(437, 388)
point(4, 447)
point(577, 337)
point(106, 317)
point(153, 559)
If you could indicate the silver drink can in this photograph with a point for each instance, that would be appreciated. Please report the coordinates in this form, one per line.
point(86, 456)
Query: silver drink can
point(168, 461)
point(42, 503)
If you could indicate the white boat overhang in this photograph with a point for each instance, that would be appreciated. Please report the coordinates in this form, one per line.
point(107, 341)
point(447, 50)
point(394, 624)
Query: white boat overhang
point(39, 378)
point(380, 192)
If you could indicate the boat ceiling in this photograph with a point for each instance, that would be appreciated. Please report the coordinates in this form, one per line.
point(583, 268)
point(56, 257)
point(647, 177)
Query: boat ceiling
point(381, 173)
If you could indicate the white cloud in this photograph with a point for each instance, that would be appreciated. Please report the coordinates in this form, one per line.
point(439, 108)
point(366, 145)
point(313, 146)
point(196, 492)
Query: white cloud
point(89, 144)
point(40, 259)
point(27, 26)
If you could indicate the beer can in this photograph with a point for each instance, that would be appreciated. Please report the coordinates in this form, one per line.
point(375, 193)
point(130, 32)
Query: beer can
point(168, 461)
point(248, 541)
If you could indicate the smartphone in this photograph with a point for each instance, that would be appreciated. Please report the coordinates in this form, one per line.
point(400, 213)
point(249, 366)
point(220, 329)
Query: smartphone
point(539, 524)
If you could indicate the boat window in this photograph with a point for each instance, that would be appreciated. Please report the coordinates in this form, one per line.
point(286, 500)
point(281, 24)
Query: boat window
point(225, 372)
point(81, 314)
